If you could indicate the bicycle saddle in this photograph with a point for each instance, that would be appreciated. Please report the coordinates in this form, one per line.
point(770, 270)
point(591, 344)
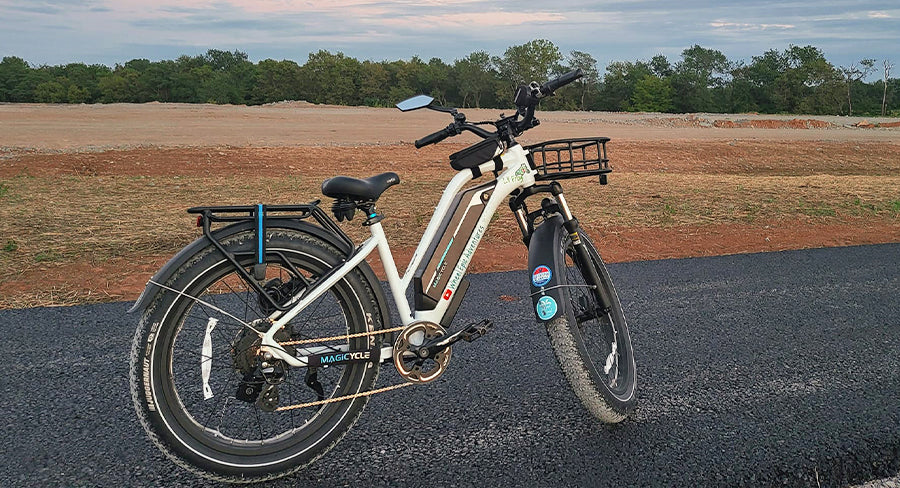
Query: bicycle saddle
point(365, 189)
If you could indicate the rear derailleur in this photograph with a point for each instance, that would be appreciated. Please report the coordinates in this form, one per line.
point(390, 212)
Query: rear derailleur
point(261, 376)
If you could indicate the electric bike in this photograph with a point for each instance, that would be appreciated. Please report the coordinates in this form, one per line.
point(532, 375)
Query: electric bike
point(260, 342)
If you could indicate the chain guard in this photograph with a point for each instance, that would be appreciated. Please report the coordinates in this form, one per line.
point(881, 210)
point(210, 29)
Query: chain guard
point(412, 367)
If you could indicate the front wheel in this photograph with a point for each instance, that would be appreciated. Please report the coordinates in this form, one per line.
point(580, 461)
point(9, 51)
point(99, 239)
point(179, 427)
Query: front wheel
point(591, 341)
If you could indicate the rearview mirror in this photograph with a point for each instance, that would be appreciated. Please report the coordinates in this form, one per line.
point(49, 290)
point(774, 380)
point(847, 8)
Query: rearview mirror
point(418, 101)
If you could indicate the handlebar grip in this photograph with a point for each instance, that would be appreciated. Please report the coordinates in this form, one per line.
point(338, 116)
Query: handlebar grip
point(553, 85)
point(434, 138)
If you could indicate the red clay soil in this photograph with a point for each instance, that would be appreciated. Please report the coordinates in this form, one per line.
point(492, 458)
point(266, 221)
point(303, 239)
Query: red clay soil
point(105, 281)
point(772, 124)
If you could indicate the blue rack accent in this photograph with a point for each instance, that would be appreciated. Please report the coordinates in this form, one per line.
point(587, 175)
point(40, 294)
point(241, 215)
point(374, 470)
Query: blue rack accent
point(260, 233)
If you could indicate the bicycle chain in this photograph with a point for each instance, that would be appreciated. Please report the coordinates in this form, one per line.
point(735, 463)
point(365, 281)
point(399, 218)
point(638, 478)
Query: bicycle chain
point(345, 397)
point(342, 398)
point(341, 337)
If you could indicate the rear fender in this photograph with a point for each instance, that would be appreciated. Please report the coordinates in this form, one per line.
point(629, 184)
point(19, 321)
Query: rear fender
point(546, 268)
point(183, 256)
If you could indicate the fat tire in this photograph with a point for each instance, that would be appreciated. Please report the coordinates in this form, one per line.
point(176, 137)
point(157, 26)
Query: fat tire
point(157, 411)
point(574, 355)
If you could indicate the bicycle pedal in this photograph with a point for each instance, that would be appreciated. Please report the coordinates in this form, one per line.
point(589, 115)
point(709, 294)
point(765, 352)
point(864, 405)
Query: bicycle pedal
point(475, 331)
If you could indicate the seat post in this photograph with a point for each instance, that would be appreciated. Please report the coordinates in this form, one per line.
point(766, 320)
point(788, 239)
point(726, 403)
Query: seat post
point(372, 216)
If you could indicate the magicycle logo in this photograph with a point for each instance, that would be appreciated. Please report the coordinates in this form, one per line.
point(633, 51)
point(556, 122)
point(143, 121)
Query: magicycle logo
point(347, 356)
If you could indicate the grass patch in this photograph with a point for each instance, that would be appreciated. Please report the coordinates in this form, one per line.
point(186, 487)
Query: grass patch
point(48, 257)
point(816, 209)
point(136, 217)
point(858, 203)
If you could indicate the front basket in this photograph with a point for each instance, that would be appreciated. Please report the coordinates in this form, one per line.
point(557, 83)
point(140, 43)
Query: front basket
point(569, 158)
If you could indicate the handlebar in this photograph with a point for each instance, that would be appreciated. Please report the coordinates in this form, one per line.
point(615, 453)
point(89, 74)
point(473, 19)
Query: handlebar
point(527, 97)
point(436, 137)
point(451, 130)
point(553, 85)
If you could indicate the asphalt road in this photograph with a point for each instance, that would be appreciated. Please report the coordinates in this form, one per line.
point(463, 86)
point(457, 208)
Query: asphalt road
point(779, 369)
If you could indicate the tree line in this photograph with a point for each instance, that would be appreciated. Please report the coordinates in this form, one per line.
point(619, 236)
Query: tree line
point(794, 80)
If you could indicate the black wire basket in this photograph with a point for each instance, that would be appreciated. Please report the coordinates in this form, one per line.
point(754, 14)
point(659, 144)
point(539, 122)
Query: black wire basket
point(570, 158)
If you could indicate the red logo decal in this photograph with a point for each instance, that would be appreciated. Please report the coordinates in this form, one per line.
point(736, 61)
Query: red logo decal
point(447, 294)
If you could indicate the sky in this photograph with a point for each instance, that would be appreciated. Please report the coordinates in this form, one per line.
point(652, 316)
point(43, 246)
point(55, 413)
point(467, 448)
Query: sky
point(114, 31)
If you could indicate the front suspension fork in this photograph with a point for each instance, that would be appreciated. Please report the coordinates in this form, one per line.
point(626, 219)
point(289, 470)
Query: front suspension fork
point(526, 220)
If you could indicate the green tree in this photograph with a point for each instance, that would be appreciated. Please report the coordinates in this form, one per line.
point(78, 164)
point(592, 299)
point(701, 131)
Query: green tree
point(892, 108)
point(698, 80)
point(50, 92)
point(77, 94)
point(742, 91)
point(437, 78)
point(660, 66)
point(183, 81)
point(619, 82)
point(762, 77)
point(812, 80)
point(853, 74)
point(157, 81)
point(409, 78)
point(113, 88)
point(232, 80)
point(374, 80)
point(588, 83)
point(134, 73)
point(796, 80)
point(276, 81)
point(652, 94)
point(14, 72)
point(475, 77)
point(535, 60)
point(85, 79)
point(330, 78)
point(888, 66)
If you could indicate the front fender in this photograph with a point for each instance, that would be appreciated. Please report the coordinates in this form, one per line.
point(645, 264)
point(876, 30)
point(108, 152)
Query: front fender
point(195, 247)
point(546, 264)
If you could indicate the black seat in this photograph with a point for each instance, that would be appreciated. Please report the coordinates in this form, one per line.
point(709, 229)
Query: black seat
point(366, 189)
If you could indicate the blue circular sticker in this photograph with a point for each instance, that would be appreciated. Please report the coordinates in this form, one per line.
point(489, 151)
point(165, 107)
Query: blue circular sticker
point(541, 276)
point(546, 308)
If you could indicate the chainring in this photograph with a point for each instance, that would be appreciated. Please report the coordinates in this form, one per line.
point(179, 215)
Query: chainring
point(410, 366)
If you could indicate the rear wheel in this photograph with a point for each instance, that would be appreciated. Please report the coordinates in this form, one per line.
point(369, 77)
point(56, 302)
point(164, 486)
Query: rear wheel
point(591, 341)
point(201, 389)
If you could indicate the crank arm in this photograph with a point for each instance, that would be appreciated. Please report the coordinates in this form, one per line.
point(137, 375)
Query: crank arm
point(468, 334)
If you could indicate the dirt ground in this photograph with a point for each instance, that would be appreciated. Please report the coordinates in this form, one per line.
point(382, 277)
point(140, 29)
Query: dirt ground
point(92, 197)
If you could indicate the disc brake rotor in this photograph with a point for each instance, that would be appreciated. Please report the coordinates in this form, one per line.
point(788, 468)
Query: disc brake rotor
point(413, 368)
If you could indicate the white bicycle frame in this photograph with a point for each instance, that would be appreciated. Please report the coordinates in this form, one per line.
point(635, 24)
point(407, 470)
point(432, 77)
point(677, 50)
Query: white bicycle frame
point(515, 174)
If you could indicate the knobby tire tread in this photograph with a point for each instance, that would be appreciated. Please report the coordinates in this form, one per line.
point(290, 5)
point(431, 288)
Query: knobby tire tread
point(367, 303)
point(575, 368)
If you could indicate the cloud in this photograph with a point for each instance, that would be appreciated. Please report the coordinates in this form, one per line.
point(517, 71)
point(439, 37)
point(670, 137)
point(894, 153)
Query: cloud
point(474, 19)
point(113, 31)
point(719, 24)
